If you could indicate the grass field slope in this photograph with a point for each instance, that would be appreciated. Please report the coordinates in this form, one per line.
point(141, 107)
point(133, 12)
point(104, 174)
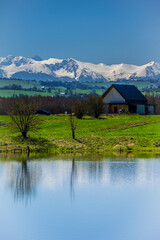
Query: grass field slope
point(110, 133)
point(15, 87)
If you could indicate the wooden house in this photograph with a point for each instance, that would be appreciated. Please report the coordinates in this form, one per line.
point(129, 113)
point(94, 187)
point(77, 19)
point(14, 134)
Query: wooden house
point(121, 98)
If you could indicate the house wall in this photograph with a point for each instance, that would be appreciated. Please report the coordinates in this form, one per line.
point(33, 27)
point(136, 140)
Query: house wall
point(151, 110)
point(106, 108)
point(113, 97)
point(141, 109)
point(111, 108)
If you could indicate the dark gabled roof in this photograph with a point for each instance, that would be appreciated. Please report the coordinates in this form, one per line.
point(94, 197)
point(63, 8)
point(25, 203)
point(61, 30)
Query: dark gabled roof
point(130, 93)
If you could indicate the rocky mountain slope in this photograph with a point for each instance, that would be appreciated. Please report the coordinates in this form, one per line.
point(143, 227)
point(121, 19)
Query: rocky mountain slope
point(70, 70)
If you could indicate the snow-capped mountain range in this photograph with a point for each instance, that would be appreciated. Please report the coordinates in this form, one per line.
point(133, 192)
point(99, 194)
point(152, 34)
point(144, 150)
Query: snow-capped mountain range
point(72, 70)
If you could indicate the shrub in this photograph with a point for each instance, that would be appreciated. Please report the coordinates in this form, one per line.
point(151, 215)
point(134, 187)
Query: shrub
point(94, 106)
point(79, 109)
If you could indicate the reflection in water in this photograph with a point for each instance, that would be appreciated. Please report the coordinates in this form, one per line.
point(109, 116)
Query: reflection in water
point(103, 171)
point(124, 170)
point(78, 168)
point(24, 176)
point(73, 178)
point(115, 199)
point(95, 170)
point(23, 180)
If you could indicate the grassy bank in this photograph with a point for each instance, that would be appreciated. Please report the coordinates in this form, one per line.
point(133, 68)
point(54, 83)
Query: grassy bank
point(110, 133)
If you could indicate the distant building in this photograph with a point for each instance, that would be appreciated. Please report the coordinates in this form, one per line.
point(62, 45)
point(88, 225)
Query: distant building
point(121, 98)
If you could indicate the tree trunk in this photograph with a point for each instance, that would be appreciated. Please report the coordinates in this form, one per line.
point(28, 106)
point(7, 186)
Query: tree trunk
point(73, 135)
point(24, 134)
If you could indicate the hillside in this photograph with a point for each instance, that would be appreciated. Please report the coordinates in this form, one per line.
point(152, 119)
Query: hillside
point(16, 87)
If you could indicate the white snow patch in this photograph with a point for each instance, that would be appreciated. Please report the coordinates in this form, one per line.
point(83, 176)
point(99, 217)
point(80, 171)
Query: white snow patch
point(80, 69)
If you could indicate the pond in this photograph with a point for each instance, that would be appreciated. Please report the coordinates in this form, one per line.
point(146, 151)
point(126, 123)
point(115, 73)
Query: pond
point(80, 198)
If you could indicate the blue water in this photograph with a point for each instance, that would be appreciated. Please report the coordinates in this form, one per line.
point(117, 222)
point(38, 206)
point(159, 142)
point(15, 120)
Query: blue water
point(80, 199)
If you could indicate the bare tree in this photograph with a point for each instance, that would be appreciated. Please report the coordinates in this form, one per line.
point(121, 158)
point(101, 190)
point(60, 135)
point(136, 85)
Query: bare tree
point(73, 124)
point(22, 112)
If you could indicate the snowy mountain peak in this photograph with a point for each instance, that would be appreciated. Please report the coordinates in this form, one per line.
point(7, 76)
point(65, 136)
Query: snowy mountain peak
point(70, 69)
point(152, 63)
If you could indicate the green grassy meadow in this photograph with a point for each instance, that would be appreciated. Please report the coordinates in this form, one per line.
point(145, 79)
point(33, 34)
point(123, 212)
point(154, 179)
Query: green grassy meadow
point(11, 93)
point(109, 133)
point(32, 88)
point(23, 83)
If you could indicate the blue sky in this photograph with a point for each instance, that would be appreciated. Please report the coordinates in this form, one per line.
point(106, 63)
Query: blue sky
point(109, 31)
